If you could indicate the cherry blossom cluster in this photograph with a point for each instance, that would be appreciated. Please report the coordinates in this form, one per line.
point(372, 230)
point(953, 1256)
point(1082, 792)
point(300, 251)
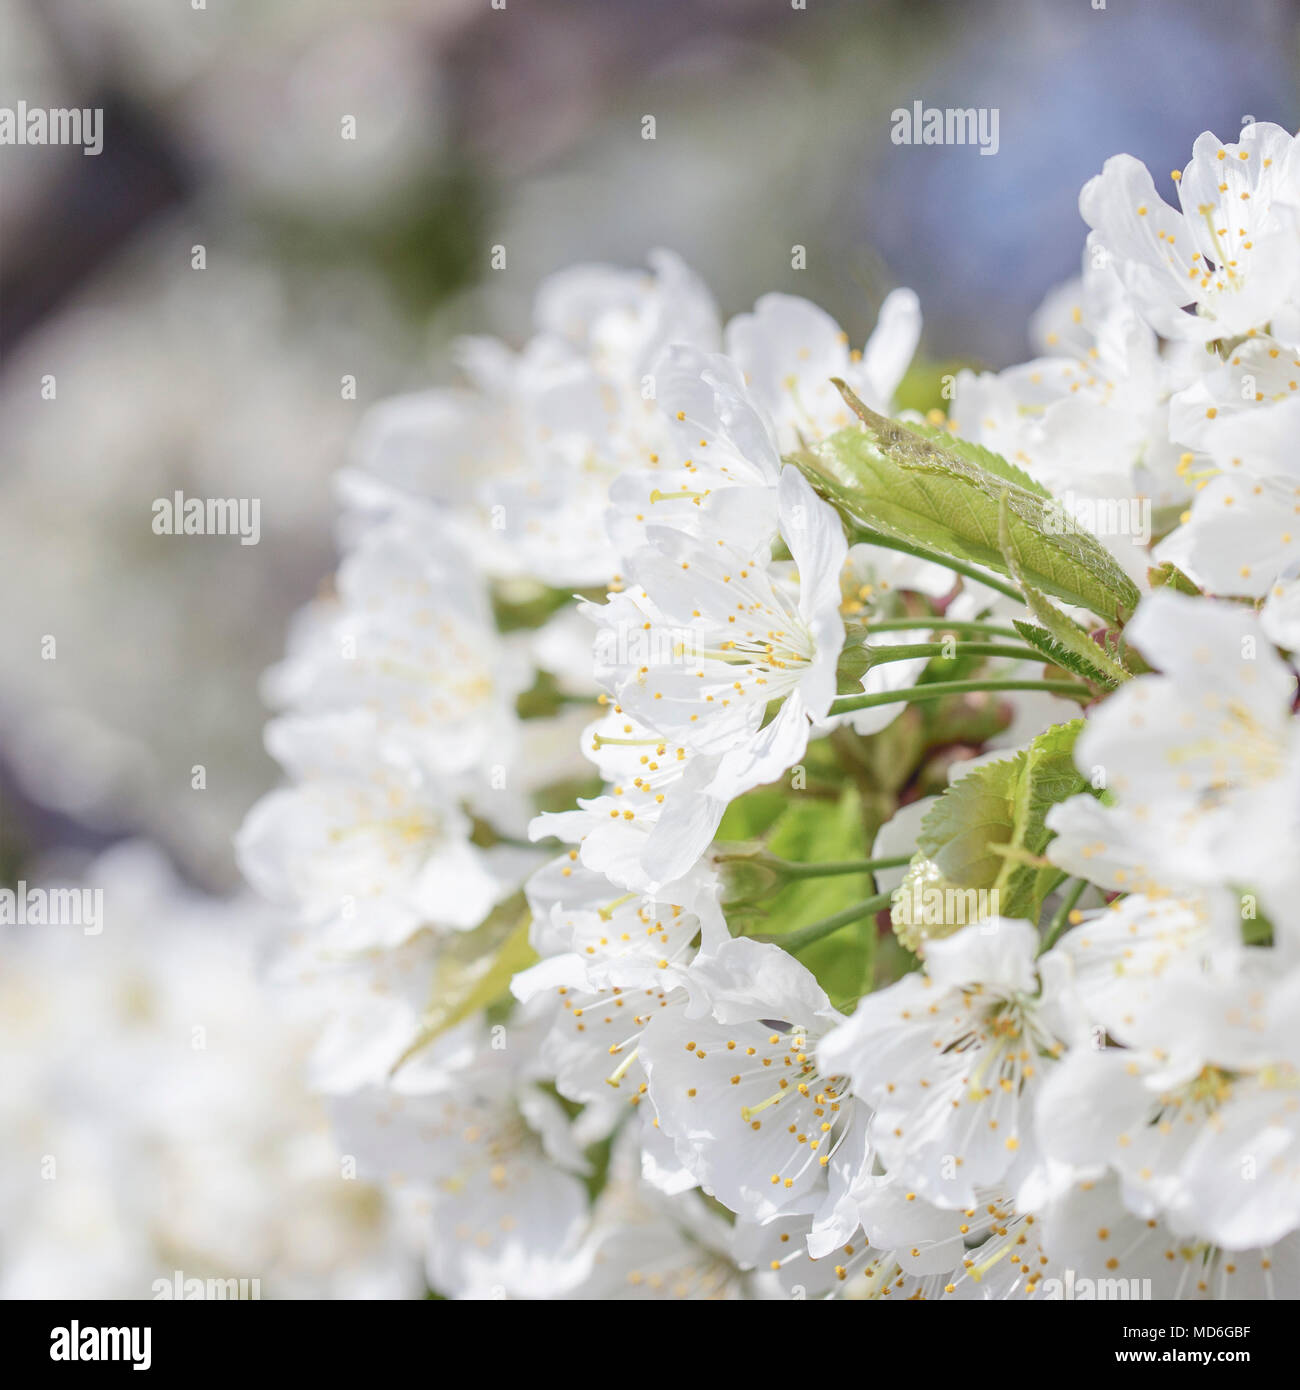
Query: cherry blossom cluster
point(748, 839)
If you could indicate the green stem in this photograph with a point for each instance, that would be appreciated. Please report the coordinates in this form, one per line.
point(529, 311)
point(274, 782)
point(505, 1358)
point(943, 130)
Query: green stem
point(789, 868)
point(866, 536)
point(1061, 917)
point(903, 651)
point(794, 941)
point(936, 690)
point(941, 625)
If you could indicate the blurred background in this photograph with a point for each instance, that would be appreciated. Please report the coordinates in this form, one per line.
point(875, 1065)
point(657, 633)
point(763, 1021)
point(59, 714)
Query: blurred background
point(328, 257)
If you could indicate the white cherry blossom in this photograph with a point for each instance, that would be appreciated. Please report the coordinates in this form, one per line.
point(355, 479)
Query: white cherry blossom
point(949, 1061)
point(738, 1084)
point(728, 633)
point(1231, 250)
point(790, 350)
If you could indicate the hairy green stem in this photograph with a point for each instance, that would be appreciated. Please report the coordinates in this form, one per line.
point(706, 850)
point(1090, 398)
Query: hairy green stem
point(936, 690)
point(942, 625)
point(866, 536)
point(789, 868)
point(1061, 917)
point(795, 941)
point(904, 651)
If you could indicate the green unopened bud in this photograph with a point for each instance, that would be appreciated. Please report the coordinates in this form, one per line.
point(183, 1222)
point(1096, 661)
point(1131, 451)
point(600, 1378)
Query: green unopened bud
point(854, 662)
point(745, 877)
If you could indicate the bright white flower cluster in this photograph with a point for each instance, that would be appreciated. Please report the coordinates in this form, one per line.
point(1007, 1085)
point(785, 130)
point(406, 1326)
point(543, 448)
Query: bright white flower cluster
point(881, 879)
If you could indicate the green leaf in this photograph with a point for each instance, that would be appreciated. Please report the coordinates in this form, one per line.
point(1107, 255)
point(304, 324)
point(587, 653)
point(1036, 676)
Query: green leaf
point(988, 830)
point(474, 971)
point(1062, 656)
point(975, 454)
point(1064, 631)
point(1170, 576)
point(961, 828)
point(981, 457)
point(1048, 776)
point(899, 481)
